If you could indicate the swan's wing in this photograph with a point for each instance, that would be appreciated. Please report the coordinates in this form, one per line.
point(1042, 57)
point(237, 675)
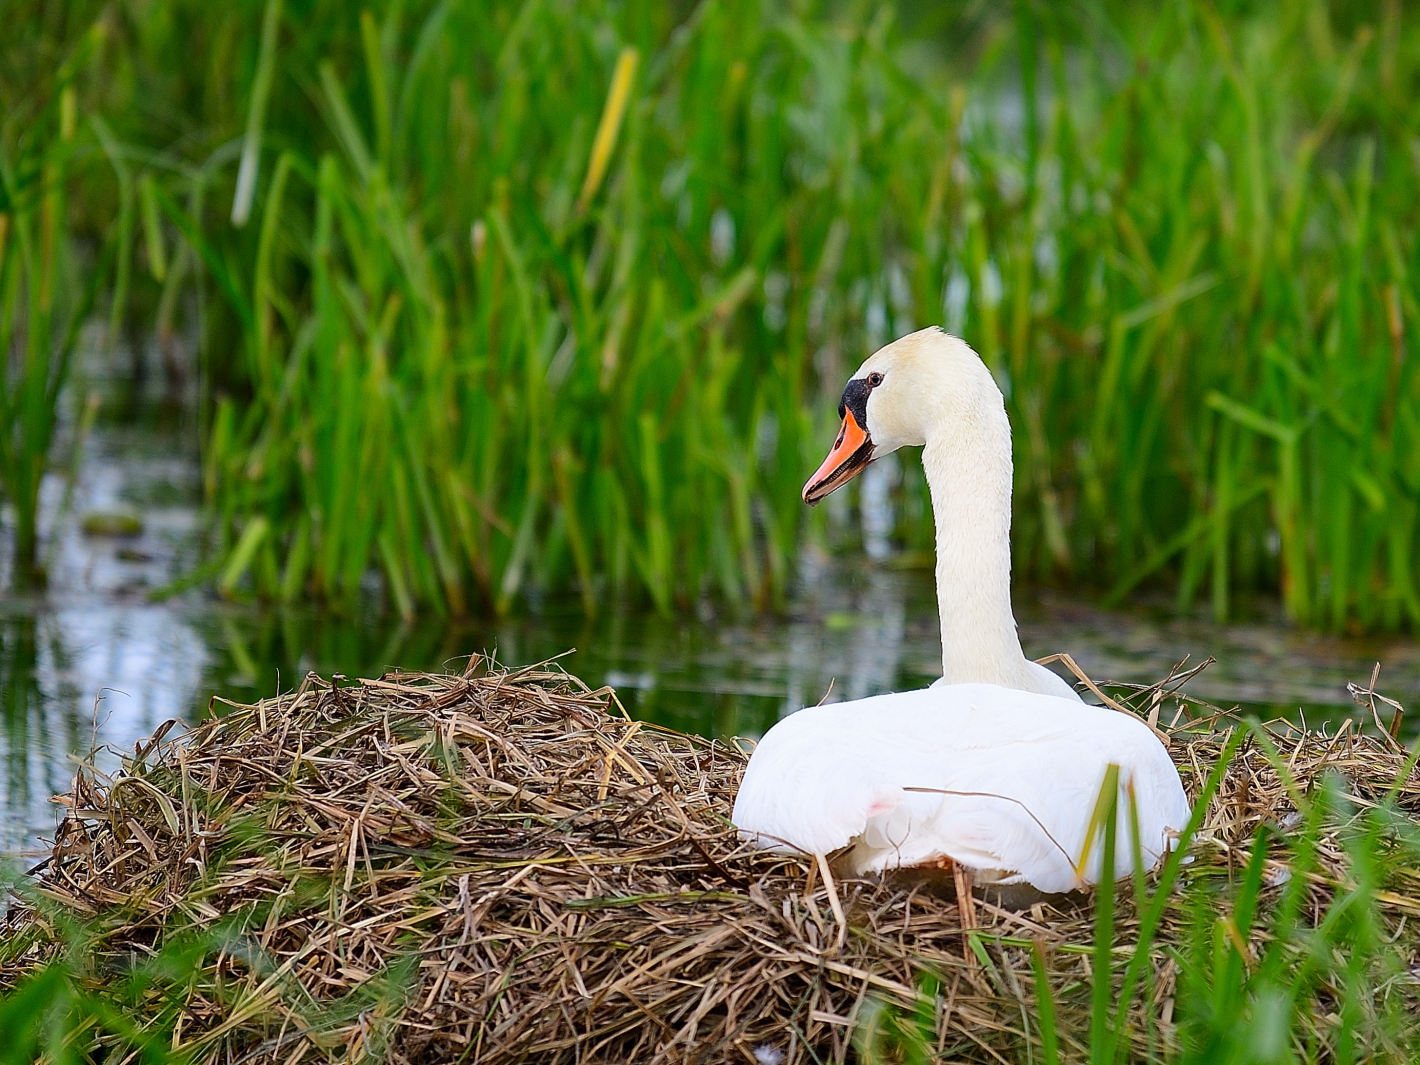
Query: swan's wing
point(824, 776)
point(802, 790)
point(999, 780)
point(1015, 811)
point(1050, 759)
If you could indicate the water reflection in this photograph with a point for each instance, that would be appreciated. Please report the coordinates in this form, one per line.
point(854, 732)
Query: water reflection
point(27, 765)
point(94, 664)
point(711, 675)
point(78, 680)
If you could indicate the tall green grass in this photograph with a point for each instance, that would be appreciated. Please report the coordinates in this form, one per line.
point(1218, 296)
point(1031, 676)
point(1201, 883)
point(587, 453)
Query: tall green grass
point(499, 337)
point(45, 296)
point(502, 300)
point(1200, 320)
point(1215, 345)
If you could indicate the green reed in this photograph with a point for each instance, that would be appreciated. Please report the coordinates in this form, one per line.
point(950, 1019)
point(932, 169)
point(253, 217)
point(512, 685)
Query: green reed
point(487, 381)
point(1229, 318)
point(44, 299)
point(500, 300)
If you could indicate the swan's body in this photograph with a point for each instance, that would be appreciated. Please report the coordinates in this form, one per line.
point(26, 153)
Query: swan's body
point(833, 776)
point(997, 723)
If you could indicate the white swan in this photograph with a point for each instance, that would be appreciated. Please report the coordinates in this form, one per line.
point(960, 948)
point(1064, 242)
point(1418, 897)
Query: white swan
point(998, 766)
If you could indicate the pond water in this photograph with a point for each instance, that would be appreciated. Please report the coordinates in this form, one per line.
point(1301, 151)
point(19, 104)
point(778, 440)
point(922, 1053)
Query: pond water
point(93, 665)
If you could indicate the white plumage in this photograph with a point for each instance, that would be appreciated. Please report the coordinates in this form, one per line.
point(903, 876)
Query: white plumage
point(830, 776)
point(997, 726)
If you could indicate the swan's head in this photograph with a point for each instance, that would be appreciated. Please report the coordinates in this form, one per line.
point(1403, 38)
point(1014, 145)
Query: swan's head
point(925, 382)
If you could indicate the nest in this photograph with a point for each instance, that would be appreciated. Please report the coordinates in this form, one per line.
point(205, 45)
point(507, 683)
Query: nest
point(500, 866)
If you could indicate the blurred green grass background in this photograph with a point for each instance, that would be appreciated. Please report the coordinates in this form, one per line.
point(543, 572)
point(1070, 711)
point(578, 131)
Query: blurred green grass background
point(493, 301)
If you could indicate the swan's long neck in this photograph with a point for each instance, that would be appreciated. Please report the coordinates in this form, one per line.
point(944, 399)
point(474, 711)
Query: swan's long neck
point(968, 468)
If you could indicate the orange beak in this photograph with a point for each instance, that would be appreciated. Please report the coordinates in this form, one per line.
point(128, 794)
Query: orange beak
point(851, 453)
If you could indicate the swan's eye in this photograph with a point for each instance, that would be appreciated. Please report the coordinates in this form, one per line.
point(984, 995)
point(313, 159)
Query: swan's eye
point(874, 379)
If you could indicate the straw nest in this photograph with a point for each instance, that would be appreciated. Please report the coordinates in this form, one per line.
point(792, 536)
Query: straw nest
point(499, 866)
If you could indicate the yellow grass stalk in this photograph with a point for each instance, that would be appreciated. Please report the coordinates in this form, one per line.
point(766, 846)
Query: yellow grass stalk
point(610, 124)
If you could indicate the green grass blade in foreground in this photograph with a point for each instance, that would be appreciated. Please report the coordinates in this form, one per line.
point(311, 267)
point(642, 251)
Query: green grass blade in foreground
point(1045, 1008)
point(1105, 821)
point(24, 1011)
point(1151, 917)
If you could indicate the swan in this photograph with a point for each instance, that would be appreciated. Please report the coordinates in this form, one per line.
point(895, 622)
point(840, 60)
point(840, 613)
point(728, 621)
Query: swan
point(997, 769)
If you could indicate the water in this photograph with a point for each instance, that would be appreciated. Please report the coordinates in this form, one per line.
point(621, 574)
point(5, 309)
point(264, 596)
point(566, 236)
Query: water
point(93, 665)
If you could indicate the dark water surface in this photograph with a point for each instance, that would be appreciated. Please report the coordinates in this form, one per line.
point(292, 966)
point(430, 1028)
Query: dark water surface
point(94, 665)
